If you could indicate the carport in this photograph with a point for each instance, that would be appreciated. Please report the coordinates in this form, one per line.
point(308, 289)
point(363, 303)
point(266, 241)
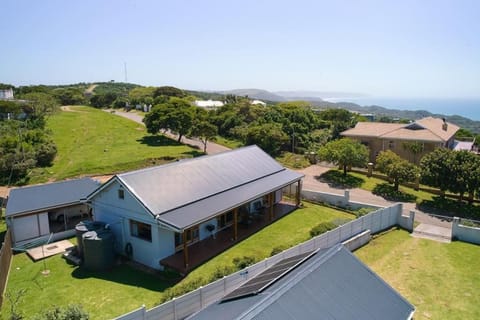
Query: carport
point(35, 212)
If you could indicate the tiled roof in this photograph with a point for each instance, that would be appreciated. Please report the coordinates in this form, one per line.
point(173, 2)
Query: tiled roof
point(427, 129)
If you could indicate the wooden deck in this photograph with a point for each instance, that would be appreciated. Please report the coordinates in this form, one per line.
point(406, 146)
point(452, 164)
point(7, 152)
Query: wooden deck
point(202, 251)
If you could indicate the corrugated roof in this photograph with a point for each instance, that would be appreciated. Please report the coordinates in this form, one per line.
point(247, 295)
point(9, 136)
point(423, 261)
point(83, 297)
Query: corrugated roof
point(426, 129)
point(167, 187)
point(48, 196)
point(333, 284)
point(191, 214)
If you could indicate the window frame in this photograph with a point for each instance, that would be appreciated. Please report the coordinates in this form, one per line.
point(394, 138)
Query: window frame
point(139, 230)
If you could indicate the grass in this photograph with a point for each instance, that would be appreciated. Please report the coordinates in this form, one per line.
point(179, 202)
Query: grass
point(93, 142)
point(358, 180)
point(440, 280)
point(106, 295)
point(292, 160)
point(229, 143)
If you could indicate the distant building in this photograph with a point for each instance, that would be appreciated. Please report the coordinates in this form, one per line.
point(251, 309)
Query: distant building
point(368, 116)
point(6, 94)
point(258, 102)
point(430, 132)
point(209, 104)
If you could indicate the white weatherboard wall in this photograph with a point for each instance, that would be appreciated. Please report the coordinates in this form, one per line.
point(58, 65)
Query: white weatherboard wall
point(183, 306)
point(109, 208)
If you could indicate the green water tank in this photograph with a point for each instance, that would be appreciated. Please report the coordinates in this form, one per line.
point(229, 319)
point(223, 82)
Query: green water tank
point(98, 253)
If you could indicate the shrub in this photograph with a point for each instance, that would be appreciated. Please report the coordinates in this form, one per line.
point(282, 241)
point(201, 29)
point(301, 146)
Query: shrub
point(389, 193)
point(363, 211)
point(222, 271)
point(71, 312)
point(322, 228)
point(277, 250)
point(243, 262)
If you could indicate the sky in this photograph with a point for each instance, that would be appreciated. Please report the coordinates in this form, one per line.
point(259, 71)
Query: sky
point(409, 49)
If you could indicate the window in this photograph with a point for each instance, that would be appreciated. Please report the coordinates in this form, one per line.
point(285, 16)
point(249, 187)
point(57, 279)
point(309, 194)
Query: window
point(391, 144)
point(225, 220)
point(121, 194)
point(192, 237)
point(141, 230)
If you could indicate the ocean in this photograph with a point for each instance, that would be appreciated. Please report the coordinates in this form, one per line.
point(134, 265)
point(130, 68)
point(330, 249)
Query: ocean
point(468, 108)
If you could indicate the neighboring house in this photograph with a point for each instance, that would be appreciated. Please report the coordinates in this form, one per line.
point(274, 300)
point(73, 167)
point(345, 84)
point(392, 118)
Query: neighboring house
point(208, 104)
point(328, 284)
point(426, 135)
point(159, 211)
point(37, 211)
point(6, 94)
point(260, 102)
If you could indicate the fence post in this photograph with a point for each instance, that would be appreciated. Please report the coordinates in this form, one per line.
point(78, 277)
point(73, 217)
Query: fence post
point(174, 302)
point(144, 312)
point(201, 296)
point(224, 285)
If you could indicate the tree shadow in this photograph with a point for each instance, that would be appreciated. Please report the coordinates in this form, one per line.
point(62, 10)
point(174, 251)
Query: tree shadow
point(336, 179)
point(128, 275)
point(194, 153)
point(389, 193)
point(449, 207)
point(158, 141)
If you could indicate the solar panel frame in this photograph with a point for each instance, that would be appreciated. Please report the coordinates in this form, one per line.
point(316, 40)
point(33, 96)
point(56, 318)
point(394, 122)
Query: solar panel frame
point(268, 277)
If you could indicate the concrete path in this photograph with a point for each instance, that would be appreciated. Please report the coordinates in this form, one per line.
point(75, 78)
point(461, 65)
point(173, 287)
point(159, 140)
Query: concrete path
point(212, 147)
point(433, 232)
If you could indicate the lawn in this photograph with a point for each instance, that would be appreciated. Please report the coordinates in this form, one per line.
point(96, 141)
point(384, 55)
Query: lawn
point(105, 295)
point(358, 180)
point(441, 280)
point(94, 142)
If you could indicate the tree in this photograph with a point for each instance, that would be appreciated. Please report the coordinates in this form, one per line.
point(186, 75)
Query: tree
point(69, 96)
point(204, 131)
point(465, 175)
point(168, 92)
point(415, 148)
point(436, 169)
point(175, 115)
point(396, 168)
point(340, 120)
point(345, 152)
point(268, 136)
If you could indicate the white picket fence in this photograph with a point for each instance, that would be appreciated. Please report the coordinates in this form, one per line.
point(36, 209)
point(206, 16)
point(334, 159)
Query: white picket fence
point(183, 306)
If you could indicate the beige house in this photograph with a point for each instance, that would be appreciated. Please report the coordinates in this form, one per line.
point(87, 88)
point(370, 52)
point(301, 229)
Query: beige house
point(410, 141)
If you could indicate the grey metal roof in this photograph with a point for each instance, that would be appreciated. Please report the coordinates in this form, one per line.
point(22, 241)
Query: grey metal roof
point(191, 190)
point(202, 210)
point(48, 196)
point(333, 284)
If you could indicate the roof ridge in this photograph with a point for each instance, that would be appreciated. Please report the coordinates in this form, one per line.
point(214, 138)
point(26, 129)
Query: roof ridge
point(186, 160)
point(221, 191)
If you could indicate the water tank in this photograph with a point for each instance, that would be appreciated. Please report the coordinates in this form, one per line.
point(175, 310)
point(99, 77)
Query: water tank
point(85, 226)
point(98, 251)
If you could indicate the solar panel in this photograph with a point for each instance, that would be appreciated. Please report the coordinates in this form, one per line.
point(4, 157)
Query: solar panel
point(267, 277)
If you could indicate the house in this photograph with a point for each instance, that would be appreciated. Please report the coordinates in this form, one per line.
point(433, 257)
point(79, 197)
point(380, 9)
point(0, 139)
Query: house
point(426, 134)
point(209, 104)
point(35, 212)
point(168, 211)
point(6, 94)
point(258, 102)
point(327, 284)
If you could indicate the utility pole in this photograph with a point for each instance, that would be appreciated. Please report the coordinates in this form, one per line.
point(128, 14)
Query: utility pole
point(125, 68)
